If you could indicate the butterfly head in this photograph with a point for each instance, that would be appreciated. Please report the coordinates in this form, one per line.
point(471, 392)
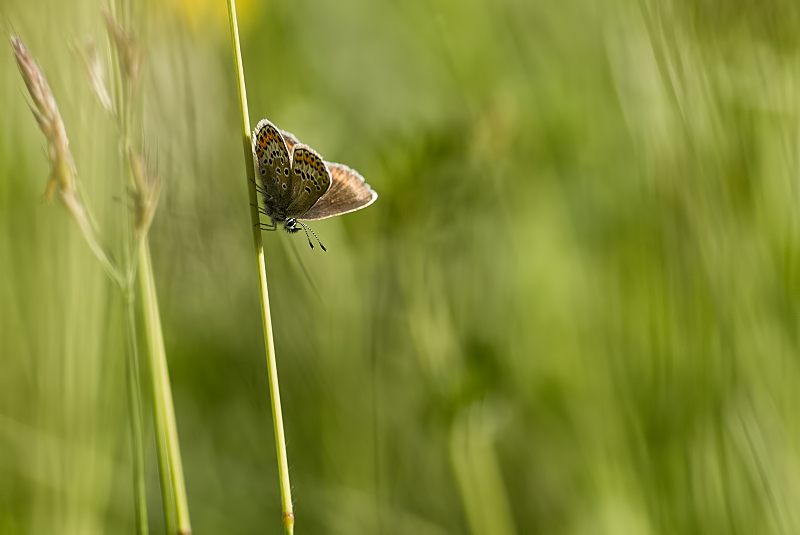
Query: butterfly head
point(291, 225)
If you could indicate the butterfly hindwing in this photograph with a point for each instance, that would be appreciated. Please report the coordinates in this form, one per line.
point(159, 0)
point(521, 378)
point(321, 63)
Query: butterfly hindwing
point(290, 139)
point(348, 193)
point(272, 159)
point(310, 180)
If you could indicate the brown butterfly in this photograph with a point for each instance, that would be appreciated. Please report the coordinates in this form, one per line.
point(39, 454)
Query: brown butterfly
point(298, 185)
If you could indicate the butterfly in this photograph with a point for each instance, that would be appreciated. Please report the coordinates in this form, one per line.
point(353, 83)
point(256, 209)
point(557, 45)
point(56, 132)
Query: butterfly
point(298, 185)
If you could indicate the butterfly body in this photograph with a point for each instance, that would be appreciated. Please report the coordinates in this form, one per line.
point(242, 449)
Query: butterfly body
point(298, 185)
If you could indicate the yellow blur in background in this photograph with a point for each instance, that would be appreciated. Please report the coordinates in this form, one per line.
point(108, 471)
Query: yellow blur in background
point(573, 308)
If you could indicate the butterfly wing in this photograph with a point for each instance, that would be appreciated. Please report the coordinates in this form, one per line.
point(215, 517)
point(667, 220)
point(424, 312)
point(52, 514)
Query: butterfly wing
point(348, 193)
point(272, 159)
point(291, 139)
point(310, 180)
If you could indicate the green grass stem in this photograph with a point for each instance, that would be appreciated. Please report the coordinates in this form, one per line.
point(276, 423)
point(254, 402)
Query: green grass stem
point(166, 427)
point(135, 414)
point(133, 377)
point(277, 416)
point(173, 488)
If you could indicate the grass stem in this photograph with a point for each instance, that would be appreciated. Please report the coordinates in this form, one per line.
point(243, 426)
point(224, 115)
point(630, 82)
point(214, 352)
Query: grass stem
point(135, 414)
point(266, 317)
point(173, 488)
point(166, 427)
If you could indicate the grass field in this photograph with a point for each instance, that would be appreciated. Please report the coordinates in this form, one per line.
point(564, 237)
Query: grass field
point(573, 309)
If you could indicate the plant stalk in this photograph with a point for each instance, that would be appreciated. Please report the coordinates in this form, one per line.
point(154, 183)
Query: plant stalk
point(266, 317)
point(135, 408)
point(170, 465)
point(173, 489)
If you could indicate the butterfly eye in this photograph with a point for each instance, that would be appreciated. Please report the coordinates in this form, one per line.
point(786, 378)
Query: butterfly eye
point(285, 172)
point(284, 186)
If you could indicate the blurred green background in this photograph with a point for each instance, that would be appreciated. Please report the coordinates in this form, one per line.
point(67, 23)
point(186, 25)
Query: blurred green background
point(572, 310)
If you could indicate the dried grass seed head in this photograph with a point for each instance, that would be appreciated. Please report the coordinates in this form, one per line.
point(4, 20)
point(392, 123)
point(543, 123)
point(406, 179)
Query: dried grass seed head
point(45, 111)
point(93, 67)
point(129, 55)
point(146, 192)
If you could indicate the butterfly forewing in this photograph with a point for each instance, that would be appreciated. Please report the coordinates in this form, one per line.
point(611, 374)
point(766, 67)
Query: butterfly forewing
point(272, 158)
point(348, 192)
point(310, 180)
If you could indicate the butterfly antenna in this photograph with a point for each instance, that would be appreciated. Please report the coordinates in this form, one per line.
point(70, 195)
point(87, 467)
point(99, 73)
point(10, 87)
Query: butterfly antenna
point(307, 228)
point(308, 237)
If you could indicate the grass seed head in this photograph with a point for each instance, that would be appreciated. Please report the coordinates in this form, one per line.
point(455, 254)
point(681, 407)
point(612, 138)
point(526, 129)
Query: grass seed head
point(95, 72)
point(45, 111)
point(145, 194)
point(129, 55)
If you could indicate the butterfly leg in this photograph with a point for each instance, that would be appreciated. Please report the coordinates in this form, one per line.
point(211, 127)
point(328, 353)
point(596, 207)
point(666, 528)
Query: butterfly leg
point(269, 227)
point(261, 210)
point(258, 187)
